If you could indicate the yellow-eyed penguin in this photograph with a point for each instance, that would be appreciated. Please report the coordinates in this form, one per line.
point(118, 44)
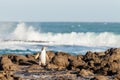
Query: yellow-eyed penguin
point(42, 57)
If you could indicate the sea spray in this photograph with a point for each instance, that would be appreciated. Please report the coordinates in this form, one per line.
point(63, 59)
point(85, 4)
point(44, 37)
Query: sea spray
point(59, 36)
point(28, 33)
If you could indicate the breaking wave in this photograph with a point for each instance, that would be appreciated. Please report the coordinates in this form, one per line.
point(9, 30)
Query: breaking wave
point(28, 33)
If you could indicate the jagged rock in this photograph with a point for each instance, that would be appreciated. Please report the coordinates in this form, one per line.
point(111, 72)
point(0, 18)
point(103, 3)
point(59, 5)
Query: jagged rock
point(113, 54)
point(20, 58)
point(7, 75)
point(71, 58)
point(24, 63)
point(77, 63)
point(110, 63)
point(102, 64)
point(23, 60)
point(18, 78)
point(61, 60)
point(63, 54)
point(5, 60)
point(12, 57)
point(113, 68)
point(100, 54)
point(30, 56)
point(86, 73)
point(9, 66)
point(6, 64)
point(100, 77)
point(52, 66)
point(2, 74)
point(117, 76)
point(90, 55)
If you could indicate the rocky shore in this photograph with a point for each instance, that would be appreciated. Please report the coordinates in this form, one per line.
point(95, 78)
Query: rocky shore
point(62, 66)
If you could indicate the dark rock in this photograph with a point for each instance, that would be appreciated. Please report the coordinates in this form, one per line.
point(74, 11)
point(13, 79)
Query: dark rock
point(89, 56)
point(100, 77)
point(5, 60)
point(113, 68)
point(86, 73)
point(117, 76)
point(8, 75)
point(30, 56)
point(77, 63)
point(20, 58)
point(61, 65)
point(111, 61)
point(61, 61)
point(50, 55)
point(6, 64)
point(52, 66)
point(2, 74)
point(12, 57)
point(23, 60)
point(67, 55)
point(112, 54)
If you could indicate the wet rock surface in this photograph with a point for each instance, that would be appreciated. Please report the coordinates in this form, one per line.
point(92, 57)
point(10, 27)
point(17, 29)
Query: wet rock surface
point(62, 66)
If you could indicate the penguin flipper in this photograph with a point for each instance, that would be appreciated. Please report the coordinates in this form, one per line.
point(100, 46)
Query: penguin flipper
point(37, 55)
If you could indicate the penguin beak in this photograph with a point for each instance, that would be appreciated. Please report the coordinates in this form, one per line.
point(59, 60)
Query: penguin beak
point(45, 47)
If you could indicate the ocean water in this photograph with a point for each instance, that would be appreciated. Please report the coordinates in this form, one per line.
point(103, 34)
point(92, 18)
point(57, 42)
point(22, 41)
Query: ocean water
point(72, 37)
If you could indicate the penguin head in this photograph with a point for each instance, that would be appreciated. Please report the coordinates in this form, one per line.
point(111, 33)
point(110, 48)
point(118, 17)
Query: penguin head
point(44, 48)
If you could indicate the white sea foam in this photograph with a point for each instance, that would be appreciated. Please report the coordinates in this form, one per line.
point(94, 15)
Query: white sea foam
point(28, 33)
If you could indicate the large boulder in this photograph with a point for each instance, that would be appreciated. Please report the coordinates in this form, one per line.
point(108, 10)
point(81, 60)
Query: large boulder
point(77, 62)
point(90, 56)
point(111, 61)
point(113, 54)
point(6, 64)
point(93, 60)
point(113, 68)
point(61, 60)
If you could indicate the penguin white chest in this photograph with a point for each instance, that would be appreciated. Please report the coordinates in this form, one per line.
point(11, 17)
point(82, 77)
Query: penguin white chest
point(43, 57)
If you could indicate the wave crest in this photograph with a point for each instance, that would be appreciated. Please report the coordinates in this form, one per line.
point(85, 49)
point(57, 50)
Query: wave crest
point(28, 33)
point(23, 32)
